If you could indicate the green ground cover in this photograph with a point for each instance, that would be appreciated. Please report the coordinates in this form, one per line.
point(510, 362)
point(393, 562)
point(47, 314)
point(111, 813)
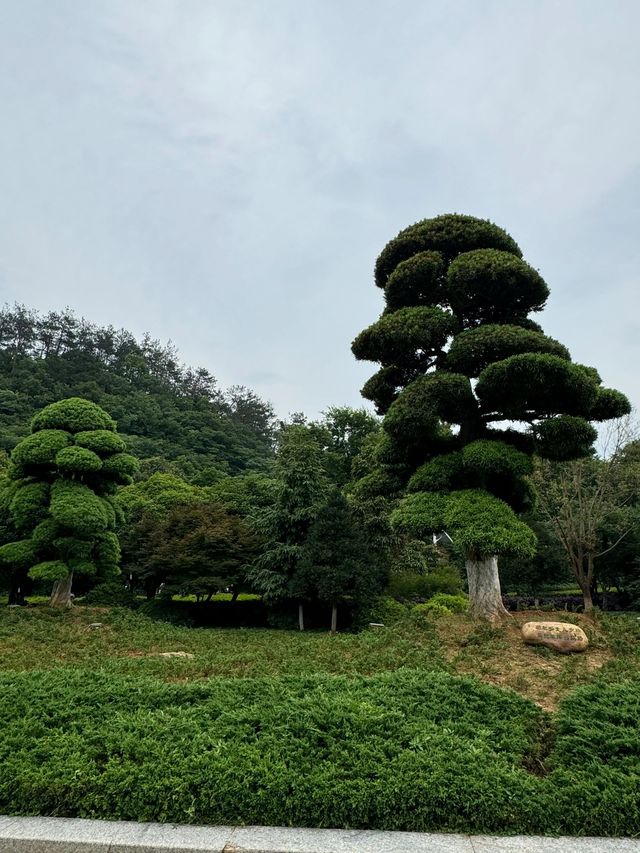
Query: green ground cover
point(365, 730)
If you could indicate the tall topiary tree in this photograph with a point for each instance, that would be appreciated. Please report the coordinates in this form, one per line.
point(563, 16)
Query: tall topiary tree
point(459, 357)
point(63, 478)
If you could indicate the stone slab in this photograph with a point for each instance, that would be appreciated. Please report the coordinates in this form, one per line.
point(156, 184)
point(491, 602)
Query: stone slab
point(541, 844)
point(73, 835)
point(70, 835)
point(261, 839)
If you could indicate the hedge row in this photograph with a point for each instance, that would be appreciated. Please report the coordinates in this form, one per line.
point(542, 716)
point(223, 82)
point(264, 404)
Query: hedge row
point(405, 750)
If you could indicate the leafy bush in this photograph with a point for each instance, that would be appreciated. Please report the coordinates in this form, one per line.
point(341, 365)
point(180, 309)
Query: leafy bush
point(245, 612)
point(101, 441)
point(388, 611)
point(77, 460)
point(422, 614)
point(453, 603)
point(73, 415)
point(112, 593)
point(413, 587)
point(77, 507)
point(165, 610)
point(392, 751)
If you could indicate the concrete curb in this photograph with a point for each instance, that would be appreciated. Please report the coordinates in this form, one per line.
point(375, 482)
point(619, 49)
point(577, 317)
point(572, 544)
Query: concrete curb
point(69, 835)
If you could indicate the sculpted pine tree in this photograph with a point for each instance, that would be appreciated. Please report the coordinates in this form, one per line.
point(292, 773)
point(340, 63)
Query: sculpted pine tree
point(60, 500)
point(459, 357)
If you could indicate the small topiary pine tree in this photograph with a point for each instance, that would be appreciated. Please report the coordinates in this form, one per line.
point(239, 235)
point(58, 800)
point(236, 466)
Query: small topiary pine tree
point(459, 355)
point(60, 499)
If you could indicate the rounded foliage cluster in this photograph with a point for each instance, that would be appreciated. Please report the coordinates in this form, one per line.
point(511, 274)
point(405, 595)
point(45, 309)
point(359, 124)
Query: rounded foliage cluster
point(73, 415)
point(473, 350)
point(449, 235)
point(488, 286)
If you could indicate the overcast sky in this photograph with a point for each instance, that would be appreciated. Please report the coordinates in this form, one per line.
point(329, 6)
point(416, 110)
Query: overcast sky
point(224, 174)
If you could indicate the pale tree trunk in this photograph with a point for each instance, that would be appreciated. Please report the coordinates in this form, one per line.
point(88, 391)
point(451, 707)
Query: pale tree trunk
point(334, 618)
point(301, 616)
point(61, 592)
point(485, 599)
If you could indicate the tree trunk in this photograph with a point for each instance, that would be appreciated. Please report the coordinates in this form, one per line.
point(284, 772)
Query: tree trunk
point(234, 596)
point(584, 571)
point(16, 593)
point(586, 597)
point(334, 618)
point(485, 599)
point(301, 616)
point(61, 592)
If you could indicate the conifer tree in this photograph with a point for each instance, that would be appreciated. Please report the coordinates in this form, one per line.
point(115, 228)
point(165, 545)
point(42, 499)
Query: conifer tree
point(301, 488)
point(60, 498)
point(459, 356)
point(337, 563)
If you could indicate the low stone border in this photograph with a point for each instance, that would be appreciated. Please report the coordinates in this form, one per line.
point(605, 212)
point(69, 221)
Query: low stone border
point(67, 835)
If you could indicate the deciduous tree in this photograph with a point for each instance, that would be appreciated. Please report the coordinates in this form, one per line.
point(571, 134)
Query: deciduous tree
point(591, 504)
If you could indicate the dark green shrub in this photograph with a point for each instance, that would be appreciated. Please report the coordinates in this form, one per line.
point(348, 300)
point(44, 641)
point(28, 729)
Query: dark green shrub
point(423, 614)
point(77, 507)
point(413, 587)
point(112, 593)
point(101, 441)
point(41, 448)
point(388, 611)
point(29, 505)
point(453, 603)
point(393, 751)
point(77, 460)
point(166, 610)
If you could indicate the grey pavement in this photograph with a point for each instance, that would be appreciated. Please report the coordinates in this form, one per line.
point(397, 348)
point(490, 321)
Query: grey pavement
point(69, 835)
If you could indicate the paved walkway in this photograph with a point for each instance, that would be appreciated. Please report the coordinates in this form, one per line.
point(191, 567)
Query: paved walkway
point(65, 835)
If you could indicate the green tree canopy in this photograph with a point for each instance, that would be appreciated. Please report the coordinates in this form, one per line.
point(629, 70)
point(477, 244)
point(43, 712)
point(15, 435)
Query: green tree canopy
point(198, 548)
point(300, 492)
point(337, 562)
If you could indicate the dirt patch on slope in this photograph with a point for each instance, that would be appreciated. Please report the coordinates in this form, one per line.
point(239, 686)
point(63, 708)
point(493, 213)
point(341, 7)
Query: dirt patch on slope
point(499, 656)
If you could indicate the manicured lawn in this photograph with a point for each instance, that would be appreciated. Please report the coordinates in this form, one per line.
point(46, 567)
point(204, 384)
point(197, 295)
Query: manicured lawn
point(128, 644)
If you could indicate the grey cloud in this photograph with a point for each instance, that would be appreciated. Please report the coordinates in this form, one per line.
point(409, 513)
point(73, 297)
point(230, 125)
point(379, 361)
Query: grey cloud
point(225, 174)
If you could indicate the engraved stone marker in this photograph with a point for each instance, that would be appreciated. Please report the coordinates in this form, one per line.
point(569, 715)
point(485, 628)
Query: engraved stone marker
point(561, 636)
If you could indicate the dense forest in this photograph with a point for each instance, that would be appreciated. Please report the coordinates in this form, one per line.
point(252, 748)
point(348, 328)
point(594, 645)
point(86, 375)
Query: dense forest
point(174, 418)
point(228, 498)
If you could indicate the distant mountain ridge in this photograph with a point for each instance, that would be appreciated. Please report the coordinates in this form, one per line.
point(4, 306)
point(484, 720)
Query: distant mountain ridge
point(173, 417)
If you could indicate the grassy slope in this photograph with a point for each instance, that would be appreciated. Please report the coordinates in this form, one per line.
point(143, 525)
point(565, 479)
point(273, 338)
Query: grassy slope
point(37, 638)
point(355, 730)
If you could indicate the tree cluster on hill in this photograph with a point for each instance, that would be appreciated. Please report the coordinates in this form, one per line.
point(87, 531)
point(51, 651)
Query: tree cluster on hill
point(174, 418)
point(215, 471)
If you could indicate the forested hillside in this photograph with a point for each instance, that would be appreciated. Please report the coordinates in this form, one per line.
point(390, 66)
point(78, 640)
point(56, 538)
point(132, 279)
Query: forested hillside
point(174, 418)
